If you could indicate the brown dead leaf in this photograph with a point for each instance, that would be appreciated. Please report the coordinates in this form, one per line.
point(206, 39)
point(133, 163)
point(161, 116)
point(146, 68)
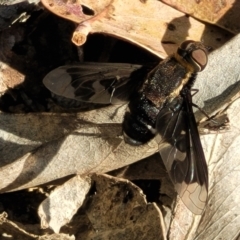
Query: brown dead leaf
point(223, 13)
point(119, 209)
point(149, 24)
point(116, 207)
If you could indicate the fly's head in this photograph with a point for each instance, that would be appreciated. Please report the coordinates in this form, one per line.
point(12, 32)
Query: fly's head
point(192, 55)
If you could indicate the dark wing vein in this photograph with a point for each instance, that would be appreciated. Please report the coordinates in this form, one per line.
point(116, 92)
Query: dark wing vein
point(96, 82)
point(182, 153)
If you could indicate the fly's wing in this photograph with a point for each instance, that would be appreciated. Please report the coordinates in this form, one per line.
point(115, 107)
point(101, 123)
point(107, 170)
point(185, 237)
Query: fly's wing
point(182, 153)
point(96, 82)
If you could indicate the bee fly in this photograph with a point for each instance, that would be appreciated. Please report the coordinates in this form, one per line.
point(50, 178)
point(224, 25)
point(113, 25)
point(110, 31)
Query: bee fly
point(160, 102)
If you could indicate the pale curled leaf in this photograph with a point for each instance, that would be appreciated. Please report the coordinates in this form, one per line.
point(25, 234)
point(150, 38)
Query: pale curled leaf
point(22, 133)
point(149, 24)
point(18, 138)
point(59, 208)
point(91, 148)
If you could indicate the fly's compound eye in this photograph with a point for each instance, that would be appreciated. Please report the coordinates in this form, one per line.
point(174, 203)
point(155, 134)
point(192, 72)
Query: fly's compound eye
point(195, 53)
point(199, 59)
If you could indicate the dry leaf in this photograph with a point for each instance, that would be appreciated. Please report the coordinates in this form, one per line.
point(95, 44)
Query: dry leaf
point(223, 13)
point(150, 24)
point(119, 209)
point(116, 208)
point(59, 208)
point(63, 144)
point(90, 148)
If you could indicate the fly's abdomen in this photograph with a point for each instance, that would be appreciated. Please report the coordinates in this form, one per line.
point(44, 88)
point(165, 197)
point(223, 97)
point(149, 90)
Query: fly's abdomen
point(140, 121)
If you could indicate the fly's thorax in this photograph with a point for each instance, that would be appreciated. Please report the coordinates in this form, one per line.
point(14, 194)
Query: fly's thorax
point(165, 81)
point(176, 92)
point(189, 67)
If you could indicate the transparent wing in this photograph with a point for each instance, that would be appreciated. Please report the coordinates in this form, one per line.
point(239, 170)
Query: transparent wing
point(96, 82)
point(182, 153)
